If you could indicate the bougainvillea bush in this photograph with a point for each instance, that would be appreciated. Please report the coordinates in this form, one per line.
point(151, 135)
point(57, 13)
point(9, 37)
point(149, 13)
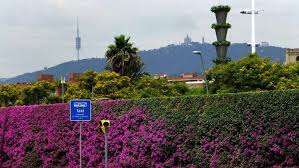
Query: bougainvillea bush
point(233, 130)
point(43, 136)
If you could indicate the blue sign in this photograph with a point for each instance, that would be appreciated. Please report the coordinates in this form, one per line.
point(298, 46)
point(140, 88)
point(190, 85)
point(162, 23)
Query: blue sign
point(80, 110)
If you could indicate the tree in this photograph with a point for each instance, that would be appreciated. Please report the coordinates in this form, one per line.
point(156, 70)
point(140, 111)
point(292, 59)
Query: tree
point(289, 78)
point(248, 74)
point(122, 57)
point(148, 86)
point(76, 92)
point(37, 93)
point(111, 85)
point(9, 94)
point(88, 80)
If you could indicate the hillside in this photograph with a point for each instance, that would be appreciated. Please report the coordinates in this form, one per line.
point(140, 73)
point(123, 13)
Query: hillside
point(172, 59)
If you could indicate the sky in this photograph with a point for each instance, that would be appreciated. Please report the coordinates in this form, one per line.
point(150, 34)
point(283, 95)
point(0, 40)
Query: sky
point(41, 33)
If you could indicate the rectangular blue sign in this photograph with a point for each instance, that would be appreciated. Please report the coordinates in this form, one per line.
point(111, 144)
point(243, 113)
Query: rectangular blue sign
point(80, 110)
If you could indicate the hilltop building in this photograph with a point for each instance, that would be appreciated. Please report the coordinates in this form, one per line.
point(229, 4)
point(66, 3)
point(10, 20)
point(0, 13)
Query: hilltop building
point(203, 40)
point(264, 44)
point(187, 41)
point(292, 55)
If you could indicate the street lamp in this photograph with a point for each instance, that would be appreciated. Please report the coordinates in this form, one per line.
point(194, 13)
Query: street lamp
point(252, 12)
point(204, 70)
point(62, 81)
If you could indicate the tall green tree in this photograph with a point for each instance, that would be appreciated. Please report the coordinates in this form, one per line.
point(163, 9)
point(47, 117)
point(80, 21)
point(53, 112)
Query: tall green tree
point(122, 57)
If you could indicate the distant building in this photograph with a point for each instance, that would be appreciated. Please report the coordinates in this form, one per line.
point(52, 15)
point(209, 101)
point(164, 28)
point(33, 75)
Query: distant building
point(58, 91)
point(158, 76)
point(188, 78)
point(73, 77)
point(203, 40)
point(45, 77)
point(264, 44)
point(292, 55)
point(187, 41)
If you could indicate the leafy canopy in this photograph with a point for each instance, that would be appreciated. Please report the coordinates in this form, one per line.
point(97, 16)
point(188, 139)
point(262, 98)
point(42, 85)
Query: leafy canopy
point(251, 73)
point(122, 57)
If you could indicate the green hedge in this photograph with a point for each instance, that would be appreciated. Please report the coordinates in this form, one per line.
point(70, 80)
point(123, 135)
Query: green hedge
point(219, 26)
point(227, 119)
point(220, 43)
point(218, 8)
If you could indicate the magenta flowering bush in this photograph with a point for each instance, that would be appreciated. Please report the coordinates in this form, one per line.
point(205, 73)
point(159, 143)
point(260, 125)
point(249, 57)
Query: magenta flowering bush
point(43, 136)
point(253, 146)
point(242, 130)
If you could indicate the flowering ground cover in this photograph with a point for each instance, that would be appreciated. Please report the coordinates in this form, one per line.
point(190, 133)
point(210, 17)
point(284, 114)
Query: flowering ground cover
point(235, 130)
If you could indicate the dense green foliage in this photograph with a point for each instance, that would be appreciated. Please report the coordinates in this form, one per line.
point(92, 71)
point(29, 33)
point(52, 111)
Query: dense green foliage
point(91, 85)
point(114, 86)
point(122, 57)
point(232, 130)
point(253, 74)
point(225, 130)
point(221, 60)
point(219, 8)
point(35, 93)
point(220, 43)
point(219, 26)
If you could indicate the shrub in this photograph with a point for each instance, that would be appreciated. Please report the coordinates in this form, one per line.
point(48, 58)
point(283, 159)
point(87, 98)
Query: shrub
point(229, 130)
point(223, 25)
point(221, 43)
point(247, 74)
point(218, 8)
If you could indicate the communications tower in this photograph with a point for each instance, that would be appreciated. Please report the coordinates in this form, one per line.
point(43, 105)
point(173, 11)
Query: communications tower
point(78, 41)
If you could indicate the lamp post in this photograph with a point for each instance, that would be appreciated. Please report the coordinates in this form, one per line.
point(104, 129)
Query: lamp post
point(204, 70)
point(252, 12)
point(62, 81)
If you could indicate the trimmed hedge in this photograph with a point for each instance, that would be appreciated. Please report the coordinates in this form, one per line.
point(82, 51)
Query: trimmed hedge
point(232, 130)
point(221, 43)
point(218, 8)
point(219, 26)
point(229, 130)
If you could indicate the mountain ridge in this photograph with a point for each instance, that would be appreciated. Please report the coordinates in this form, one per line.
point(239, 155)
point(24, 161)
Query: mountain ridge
point(172, 59)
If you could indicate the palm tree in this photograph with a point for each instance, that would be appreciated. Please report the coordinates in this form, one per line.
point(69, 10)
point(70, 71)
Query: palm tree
point(122, 57)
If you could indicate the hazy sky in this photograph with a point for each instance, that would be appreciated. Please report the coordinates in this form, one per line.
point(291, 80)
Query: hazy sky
point(40, 33)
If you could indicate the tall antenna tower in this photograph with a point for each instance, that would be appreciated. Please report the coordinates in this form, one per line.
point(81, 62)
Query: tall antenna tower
point(78, 41)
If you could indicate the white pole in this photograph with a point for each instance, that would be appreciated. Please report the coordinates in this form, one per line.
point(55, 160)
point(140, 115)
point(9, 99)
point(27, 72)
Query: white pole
point(106, 150)
point(62, 93)
point(80, 144)
point(205, 76)
point(62, 88)
point(253, 50)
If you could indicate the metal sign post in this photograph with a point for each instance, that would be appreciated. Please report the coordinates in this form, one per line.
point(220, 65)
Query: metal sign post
point(80, 144)
point(106, 150)
point(62, 88)
point(80, 110)
point(104, 128)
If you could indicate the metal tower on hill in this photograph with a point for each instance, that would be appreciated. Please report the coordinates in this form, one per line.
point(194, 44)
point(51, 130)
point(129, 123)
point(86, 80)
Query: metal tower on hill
point(78, 41)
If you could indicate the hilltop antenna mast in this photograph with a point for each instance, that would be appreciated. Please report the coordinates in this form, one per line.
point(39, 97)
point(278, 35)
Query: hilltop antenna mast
point(78, 41)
